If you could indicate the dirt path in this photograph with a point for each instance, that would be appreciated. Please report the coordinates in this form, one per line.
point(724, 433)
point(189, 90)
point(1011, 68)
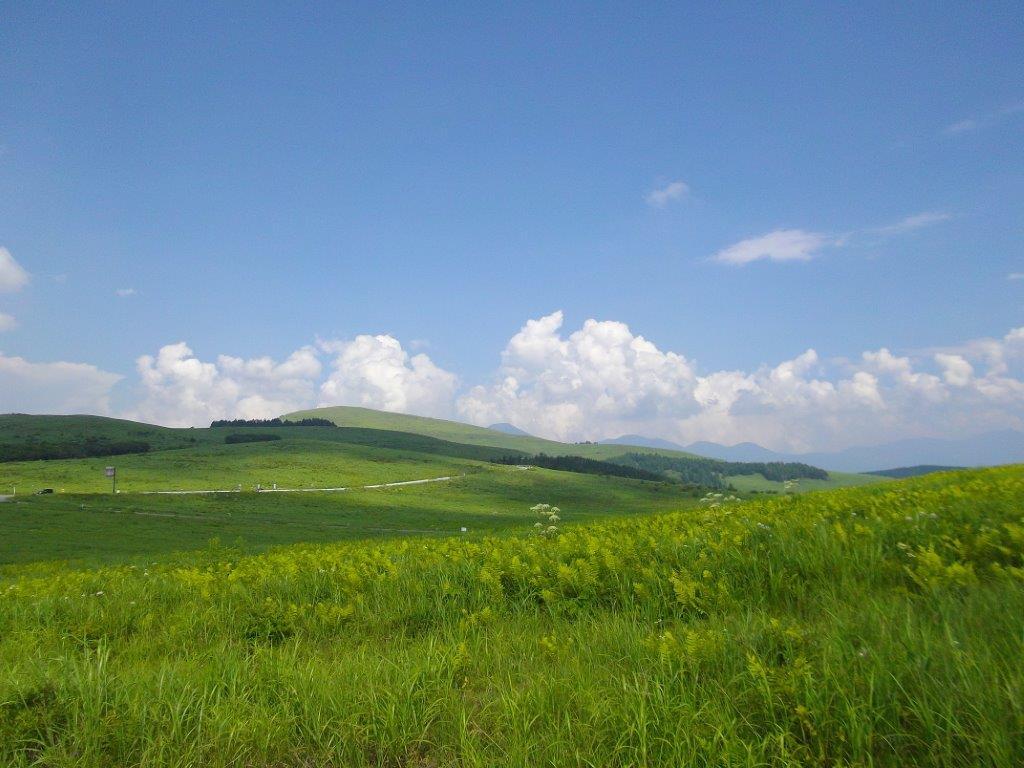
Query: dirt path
point(306, 490)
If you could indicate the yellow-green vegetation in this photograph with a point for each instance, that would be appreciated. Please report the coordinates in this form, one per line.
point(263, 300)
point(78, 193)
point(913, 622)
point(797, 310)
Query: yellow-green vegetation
point(879, 626)
point(757, 483)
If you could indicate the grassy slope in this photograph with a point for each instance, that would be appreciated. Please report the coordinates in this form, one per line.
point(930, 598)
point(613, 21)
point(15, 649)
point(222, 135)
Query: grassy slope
point(289, 463)
point(362, 426)
point(105, 528)
point(878, 626)
point(347, 416)
point(20, 429)
point(466, 433)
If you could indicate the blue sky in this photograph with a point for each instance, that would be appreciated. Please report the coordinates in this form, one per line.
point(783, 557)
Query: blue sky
point(262, 179)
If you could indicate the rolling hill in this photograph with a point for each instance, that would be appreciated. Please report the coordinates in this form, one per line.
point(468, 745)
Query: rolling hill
point(454, 431)
point(368, 447)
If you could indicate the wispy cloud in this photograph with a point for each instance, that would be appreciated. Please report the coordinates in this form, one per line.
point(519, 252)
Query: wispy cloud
point(122, 292)
point(802, 245)
point(1015, 276)
point(910, 223)
point(779, 245)
point(13, 276)
point(672, 191)
point(977, 122)
point(7, 322)
point(961, 126)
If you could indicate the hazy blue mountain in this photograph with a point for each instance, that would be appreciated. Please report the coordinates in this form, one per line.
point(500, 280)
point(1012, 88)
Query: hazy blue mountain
point(920, 469)
point(987, 449)
point(644, 442)
point(738, 452)
point(509, 429)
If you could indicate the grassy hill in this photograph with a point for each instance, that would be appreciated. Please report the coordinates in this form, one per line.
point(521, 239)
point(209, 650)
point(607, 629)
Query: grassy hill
point(347, 416)
point(21, 431)
point(877, 626)
point(468, 434)
point(360, 451)
point(454, 431)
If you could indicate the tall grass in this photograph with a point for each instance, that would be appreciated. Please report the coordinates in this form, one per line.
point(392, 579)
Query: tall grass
point(880, 626)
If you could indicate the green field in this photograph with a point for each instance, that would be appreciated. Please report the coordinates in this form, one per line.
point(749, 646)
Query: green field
point(97, 528)
point(878, 626)
point(288, 463)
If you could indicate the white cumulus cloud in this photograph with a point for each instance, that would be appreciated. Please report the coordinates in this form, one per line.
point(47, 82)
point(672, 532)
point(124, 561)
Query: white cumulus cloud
point(603, 381)
point(13, 276)
point(599, 380)
point(376, 372)
point(955, 369)
point(600, 377)
point(179, 389)
point(54, 387)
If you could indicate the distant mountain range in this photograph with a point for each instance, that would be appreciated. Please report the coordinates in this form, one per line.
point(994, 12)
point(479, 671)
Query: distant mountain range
point(987, 449)
point(509, 429)
point(921, 469)
point(645, 442)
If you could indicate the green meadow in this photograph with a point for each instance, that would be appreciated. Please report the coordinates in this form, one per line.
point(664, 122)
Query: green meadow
point(287, 463)
point(103, 528)
point(876, 626)
point(647, 623)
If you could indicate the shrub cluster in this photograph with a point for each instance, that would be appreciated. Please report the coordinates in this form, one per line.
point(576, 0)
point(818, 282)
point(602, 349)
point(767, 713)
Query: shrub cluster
point(311, 422)
point(252, 437)
point(90, 447)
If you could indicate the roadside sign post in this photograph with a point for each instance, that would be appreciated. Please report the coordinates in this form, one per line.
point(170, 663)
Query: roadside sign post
point(112, 474)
